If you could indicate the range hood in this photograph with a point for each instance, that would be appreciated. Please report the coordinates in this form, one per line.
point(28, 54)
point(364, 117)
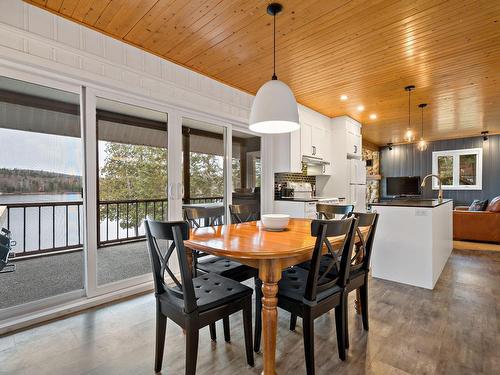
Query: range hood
point(313, 160)
point(314, 166)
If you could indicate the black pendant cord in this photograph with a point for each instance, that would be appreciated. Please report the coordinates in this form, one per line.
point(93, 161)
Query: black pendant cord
point(274, 48)
point(409, 108)
point(422, 106)
point(422, 122)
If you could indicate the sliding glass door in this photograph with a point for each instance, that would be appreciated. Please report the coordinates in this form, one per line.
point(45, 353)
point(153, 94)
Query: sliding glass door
point(246, 167)
point(41, 194)
point(132, 186)
point(203, 165)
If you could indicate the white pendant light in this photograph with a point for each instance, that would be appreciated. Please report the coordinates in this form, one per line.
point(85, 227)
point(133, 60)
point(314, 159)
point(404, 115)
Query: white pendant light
point(422, 144)
point(274, 108)
point(409, 136)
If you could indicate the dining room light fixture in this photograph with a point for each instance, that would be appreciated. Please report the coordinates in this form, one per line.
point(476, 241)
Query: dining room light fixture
point(409, 135)
point(274, 109)
point(422, 144)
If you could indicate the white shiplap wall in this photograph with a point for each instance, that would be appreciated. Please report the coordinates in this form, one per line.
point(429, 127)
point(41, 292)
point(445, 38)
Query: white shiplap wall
point(41, 39)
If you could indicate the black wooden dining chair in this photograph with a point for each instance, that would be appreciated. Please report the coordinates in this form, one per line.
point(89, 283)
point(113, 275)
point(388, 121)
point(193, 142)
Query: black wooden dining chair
point(328, 211)
point(242, 213)
point(204, 216)
point(312, 293)
point(213, 216)
point(192, 303)
point(360, 266)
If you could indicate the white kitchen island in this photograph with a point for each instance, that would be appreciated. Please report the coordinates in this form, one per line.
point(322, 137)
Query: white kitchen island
point(413, 241)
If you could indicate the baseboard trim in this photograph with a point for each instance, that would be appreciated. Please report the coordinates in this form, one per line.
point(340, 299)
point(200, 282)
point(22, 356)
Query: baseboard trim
point(478, 246)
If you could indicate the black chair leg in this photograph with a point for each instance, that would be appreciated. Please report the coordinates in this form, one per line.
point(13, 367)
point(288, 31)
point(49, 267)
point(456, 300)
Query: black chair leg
point(227, 330)
point(293, 322)
point(346, 315)
point(340, 326)
point(192, 337)
point(213, 332)
point(363, 296)
point(308, 334)
point(258, 315)
point(161, 328)
point(247, 329)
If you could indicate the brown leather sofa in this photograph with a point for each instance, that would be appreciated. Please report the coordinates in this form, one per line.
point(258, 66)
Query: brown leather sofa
point(482, 226)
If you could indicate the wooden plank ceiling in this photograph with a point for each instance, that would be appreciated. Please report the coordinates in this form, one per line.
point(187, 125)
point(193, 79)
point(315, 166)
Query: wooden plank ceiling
point(367, 50)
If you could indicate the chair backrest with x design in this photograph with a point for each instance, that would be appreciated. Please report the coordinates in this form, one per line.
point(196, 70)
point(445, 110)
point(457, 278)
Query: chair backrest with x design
point(177, 232)
point(363, 249)
point(328, 211)
point(242, 213)
point(209, 216)
point(320, 279)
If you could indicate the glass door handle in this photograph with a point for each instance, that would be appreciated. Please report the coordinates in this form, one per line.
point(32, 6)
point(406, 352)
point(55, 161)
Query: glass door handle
point(170, 191)
point(180, 190)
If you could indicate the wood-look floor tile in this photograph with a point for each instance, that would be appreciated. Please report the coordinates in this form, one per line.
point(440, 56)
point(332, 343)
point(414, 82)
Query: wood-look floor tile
point(454, 329)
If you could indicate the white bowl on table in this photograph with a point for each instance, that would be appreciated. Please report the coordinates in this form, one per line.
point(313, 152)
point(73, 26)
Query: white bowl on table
point(275, 222)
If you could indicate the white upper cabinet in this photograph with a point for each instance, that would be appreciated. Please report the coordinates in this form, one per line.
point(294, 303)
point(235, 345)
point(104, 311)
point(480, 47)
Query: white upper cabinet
point(312, 140)
point(353, 129)
point(348, 132)
point(306, 139)
point(318, 138)
point(286, 152)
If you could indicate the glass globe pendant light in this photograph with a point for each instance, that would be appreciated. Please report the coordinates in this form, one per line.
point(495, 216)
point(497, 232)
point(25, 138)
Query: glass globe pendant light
point(409, 136)
point(274, 108)
point(422, 144)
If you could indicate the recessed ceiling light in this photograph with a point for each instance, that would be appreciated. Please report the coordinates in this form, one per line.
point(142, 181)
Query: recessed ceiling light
point(360, 108)
point(373, 116)
point(344, 97)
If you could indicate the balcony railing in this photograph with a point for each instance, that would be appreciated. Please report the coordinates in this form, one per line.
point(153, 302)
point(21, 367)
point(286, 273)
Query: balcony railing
point(46, 227)
point(196, 200)
point(122, 220)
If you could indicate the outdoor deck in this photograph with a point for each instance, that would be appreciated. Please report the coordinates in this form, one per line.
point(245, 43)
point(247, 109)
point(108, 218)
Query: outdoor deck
point(51, 275)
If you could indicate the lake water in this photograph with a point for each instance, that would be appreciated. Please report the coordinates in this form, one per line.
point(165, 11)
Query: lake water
point(50, 230)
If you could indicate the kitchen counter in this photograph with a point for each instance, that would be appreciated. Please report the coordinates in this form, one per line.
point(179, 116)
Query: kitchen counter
point(314, 199)
point(424, 203)
point(413, 240)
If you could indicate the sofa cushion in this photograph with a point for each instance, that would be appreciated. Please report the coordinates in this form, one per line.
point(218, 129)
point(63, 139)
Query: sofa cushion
point(494, 205)
point(478, 205)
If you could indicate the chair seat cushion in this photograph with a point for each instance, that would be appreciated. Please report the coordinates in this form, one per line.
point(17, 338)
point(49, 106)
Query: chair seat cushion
point(293, 285)
point(212, 290)
point(325, 261)
point(323, 264)
point(227, 268)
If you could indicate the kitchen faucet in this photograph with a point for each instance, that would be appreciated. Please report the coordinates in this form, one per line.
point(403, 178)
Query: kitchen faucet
point(440, 193)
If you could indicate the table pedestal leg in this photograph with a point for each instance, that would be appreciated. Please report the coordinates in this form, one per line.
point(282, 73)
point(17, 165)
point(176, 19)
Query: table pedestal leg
point(270, 274)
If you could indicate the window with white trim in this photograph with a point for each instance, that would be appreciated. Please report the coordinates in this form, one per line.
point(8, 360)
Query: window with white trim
point(458, 169)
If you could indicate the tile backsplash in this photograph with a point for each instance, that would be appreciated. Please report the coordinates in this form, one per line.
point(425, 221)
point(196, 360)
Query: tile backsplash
point(283, 178)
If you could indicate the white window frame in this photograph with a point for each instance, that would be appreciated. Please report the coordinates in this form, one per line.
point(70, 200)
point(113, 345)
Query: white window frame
point(456, 168)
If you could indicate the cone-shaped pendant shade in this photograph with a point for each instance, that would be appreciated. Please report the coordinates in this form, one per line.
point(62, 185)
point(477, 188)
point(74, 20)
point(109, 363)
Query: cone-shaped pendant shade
point(274, 109)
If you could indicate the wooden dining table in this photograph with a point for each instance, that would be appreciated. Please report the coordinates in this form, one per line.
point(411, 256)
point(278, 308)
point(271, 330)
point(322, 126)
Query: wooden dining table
point(269, 252)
